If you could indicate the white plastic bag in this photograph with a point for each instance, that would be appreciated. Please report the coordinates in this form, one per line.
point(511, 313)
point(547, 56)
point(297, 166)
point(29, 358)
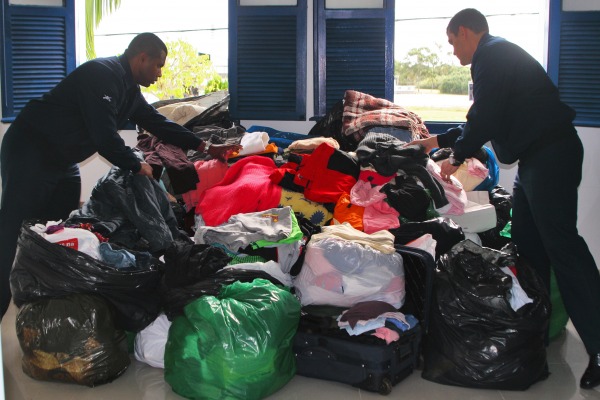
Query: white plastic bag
point(342, 273)
point(149, 345)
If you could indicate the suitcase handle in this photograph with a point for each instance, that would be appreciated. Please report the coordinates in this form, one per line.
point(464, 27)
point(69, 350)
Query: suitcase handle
point(317, 352)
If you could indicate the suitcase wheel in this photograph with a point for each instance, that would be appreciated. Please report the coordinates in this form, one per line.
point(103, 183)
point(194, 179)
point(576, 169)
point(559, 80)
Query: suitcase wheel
point(386, 386)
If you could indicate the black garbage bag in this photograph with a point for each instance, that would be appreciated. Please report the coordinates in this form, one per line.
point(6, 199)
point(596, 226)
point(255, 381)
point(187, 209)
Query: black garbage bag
point(42, 269)
point(72, 339)
point(476, 339)
point(131, 210)
point(215, 107)
point(502, 202)
point(444, 230)
point(175, 298)
point(331, 126)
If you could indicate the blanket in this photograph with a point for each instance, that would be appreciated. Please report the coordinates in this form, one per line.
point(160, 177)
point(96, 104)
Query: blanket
point(363, 111)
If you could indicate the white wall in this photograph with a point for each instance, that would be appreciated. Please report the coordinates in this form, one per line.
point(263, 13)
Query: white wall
point(96, 166)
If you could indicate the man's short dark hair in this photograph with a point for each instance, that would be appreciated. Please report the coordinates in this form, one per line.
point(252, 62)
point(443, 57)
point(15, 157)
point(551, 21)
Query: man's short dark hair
point(147, 43)
point(471, 19)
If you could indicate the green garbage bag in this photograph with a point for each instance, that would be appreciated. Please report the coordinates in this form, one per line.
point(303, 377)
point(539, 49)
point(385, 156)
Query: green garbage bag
point(559, 316)
point(237, 345)
point(506, 232)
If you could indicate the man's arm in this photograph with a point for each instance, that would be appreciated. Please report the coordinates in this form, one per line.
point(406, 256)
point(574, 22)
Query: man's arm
point(98, 94)
point(163, 128)
point(485, 119)
point(168, 131)
point(448, 139)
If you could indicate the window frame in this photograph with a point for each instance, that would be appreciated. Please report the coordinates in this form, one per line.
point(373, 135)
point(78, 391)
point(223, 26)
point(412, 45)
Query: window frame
point(578, 83)
point(298, 110)
point(320, 17)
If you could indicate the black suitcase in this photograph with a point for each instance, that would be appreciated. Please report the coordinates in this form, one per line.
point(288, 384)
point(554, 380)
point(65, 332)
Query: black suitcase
point(325, 351)
point(419, 269)
point(363, 361)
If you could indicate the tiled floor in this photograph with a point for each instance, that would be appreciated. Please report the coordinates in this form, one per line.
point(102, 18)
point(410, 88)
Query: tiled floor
point(566, 357)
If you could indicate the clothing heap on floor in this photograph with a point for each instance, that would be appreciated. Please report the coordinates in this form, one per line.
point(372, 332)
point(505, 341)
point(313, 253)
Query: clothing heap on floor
point(234, 251)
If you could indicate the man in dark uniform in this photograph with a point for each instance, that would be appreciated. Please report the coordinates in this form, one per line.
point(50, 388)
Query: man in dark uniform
point(79, 117)
point(517, 107)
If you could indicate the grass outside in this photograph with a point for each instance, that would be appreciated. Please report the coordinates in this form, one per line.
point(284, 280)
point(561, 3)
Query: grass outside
point(430, 105)
point(437, 114)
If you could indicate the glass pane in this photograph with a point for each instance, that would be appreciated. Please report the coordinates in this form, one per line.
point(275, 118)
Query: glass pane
point(581, 5)
point(428, 78)
point(351, 4)
point(268, 2)
point(195, 31)
point(45, 3)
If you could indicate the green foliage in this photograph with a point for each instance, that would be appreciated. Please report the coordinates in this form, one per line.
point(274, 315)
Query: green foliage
point(457, 82)
point(424, 69)
point(185, 74)
point(216, 84)
point(420, 65)
point(431, 82)
point(95, 10)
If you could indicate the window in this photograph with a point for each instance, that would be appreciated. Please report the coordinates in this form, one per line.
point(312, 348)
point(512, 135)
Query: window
point(39, 50)
point(267, 63)
point(353, 50)
point(573, 57)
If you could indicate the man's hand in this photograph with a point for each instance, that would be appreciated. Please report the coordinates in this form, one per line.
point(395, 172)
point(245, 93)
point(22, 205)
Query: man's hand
point(145, 169)
point(447, 170)
point(428, 144)
point(222, 151)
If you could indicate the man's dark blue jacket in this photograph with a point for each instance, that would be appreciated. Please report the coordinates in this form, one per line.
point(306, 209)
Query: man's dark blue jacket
point(516, 106)
point(83, 113)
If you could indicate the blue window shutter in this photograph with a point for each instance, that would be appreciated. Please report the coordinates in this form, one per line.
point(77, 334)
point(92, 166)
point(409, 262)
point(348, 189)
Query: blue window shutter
point(39, 51)
point(353, 50)
point(267, 61)
point(573, 60)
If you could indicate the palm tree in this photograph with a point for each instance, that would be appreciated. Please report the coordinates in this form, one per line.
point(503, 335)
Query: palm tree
point(95, 10)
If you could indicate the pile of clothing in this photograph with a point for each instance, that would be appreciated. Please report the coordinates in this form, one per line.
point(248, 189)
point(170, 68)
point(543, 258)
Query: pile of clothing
point(312, 219)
